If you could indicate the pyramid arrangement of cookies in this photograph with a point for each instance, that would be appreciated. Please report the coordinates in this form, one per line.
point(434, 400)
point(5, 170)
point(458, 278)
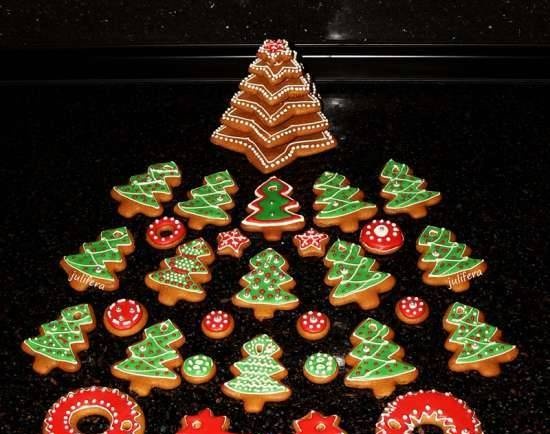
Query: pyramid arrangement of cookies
point(375, 360)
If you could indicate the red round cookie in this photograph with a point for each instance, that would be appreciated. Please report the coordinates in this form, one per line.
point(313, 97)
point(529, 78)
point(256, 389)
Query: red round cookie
point(123, 413)
point(165, 233)
point(412, 310)
point(381, 237)
point(125, 317)
point(217, 324)
point(313, 325)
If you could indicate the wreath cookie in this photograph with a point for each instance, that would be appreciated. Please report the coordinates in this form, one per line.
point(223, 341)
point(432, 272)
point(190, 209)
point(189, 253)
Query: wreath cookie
point(165, 233)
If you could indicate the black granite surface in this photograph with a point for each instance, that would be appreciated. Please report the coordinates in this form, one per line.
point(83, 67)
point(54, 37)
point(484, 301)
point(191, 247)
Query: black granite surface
point(485, 147)
point(94, 22)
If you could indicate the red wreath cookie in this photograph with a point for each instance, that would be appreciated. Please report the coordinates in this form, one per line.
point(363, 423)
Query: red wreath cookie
point(381, 237)
point(125, 317)
point(165, 233)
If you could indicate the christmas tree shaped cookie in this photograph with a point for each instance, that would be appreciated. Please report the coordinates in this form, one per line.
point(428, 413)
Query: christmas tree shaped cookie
point(99, 260)
point(339, 204)
point(273, 210)
point(204, 422)
point(145, 192)
point(180, 277)
point(406, 193)
point(354, 277)
point(267, 286)
point(446, 262)
point(276, 116)
point(376, 361)
point(60, 341)
point(258, 375)
point(476, 345)
point(208, 203)
point(315, 422)
point(151, 362)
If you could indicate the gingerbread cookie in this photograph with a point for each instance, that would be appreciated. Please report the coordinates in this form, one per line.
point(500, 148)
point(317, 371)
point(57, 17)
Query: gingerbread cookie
point(151, 361)
point(273, 210)
point(412, 310)
point(313, 325)
point(339, 204)
point(232, 243)
point(354, 277)
point(376, 360)
point(145, 192)
point(205, 422)
point(165, 233)
point(476, 345)
point(446, 262)
point(180, 277)
point(267, 287)
point(321, 368)
point(198, 369)
point(276, 116)
point(311, 243)
point(61, 340)
point(98, 261)
point(121, 411)
point(258, 375)
point(381, 237)
point(315, 422)
point(125, 317)
point(217, 324)
point(405, 192)
point(208, 204)
point(416, 409)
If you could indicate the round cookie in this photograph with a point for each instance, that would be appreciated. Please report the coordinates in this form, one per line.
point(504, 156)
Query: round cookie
point(125, 317)
point(123, 413)
point(313, 325)
point(321, 368)
point(165, 233)
point(381, 237)
point(217, 324)
point(412, 310)
point(198, 369)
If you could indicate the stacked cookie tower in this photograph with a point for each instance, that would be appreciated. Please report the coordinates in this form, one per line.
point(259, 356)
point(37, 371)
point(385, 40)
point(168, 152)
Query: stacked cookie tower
point(276, 116)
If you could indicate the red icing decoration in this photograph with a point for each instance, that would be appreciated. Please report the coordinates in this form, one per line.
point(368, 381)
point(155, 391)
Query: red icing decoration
point(204, 423)
point(382, 235)
point(166, 224)
point(315, 423)
point(234, 239)
point(124, 314)
point(313, 322)
point(110, 400)
point(275, 45)
point(217, 321)
point(412, 307)
point(311, 238)
point(406, 412)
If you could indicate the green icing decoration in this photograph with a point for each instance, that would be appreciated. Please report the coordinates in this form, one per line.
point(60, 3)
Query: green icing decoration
point(448, 256)
point(263, 283)
point(273, 205)
point(337, 198)
point(374, 354)
point(58, 336)
point(321, 365)
point(475, 336)
point(198, 366)
point(353, 271)
point(95, 255)
point(148, 357)
point(406, 189)
point(257, 368)
point(142, 188)
point(209, 199)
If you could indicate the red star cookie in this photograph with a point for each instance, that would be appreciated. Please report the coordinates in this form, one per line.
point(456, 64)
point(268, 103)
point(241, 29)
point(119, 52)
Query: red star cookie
point(315, 423)
point(204, 423)
point(311, 243)
point(232, 243)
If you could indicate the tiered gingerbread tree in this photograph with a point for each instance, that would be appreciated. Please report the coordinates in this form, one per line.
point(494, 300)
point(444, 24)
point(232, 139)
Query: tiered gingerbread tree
point(276, 115)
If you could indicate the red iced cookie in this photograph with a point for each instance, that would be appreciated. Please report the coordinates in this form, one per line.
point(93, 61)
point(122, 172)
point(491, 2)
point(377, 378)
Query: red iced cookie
point(381, 237)
point(217, 324)
point(125, 317)
point(412, 310)
point(204, 422)
point(313, 325)
point(315, 423)
point(165, 233)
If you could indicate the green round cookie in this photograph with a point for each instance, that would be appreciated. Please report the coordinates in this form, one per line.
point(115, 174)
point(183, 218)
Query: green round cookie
point(321, 367)
point(198, 367)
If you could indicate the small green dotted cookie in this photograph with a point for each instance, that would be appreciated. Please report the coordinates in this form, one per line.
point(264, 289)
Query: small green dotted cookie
point(198, 369)
point(321, 368)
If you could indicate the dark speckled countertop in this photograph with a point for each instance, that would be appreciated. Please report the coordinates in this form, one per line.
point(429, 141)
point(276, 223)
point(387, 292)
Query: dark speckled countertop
point(485, 147)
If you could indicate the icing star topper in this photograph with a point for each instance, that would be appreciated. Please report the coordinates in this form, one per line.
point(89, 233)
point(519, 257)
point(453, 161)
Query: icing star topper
point(232, 243)
point(275, 45)
point(311, 243)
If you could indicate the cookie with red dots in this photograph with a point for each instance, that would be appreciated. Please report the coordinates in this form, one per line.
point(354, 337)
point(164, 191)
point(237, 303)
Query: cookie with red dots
point(217, 324)
point(315, 423)
point(125, 317)
point(381, 237)
point(313, 325)
point(412, 310)
point(165, 233)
